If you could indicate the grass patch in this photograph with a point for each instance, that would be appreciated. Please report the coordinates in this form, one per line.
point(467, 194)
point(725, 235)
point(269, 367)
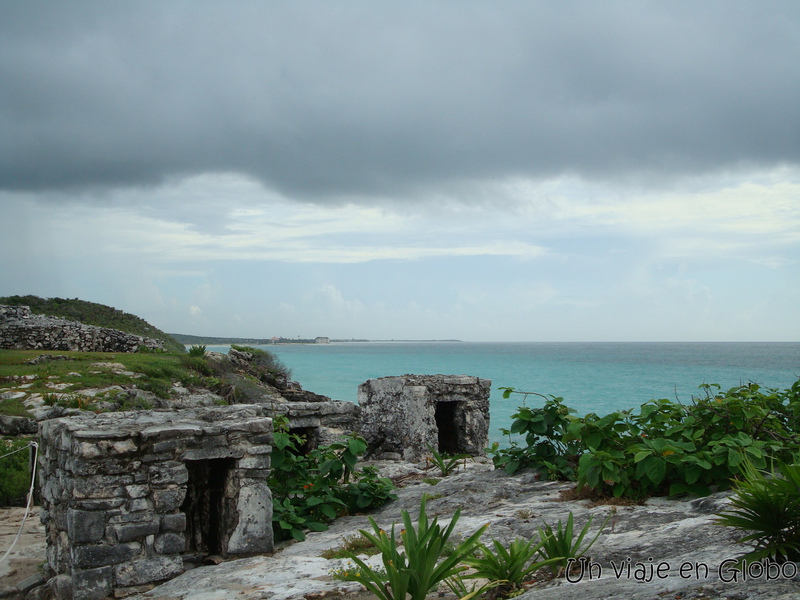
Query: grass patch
point(13, 408)
point(86, 370)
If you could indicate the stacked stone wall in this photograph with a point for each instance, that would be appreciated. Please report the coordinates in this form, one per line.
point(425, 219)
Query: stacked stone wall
point(114, 487)
point(21, 329)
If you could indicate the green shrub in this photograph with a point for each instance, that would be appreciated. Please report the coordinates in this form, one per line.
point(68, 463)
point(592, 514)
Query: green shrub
point(543, 430)
point(310, 490)
point(197, 351)
point(667, 448)
point(15, 476)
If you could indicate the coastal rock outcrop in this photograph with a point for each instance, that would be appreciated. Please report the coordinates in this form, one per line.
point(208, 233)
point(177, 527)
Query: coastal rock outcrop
point(21, 329)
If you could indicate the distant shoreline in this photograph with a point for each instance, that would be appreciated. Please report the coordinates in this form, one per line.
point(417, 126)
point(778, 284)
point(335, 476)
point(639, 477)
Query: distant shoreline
point(226, 341)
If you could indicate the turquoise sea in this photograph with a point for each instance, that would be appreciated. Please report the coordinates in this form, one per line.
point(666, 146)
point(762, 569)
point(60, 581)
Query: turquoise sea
point(591, 377)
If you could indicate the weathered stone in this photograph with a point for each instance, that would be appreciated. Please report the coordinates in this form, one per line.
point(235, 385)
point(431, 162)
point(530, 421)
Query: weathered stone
point(254, 462)
point(168, 500)
point(170, 543)
point(126, 532)
point(175, 522)
point(172, 472)
point(14, 426)
point(86, 526)
point(407, 414)
point(92, 584)
point(101, 555)
point(171, 430)
point(253, 532)
point(148, 570)
point(101, 486)
point(211, 453)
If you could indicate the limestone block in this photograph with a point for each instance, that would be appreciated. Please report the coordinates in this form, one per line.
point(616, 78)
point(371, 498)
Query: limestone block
point(253, 532)
point(260, 449)
point(101, 555)
point(170, 543)
point(169, 499)
point(206, 453)
point(92, 584)
point(126, 532)
point(171, 430)
point(173, 522)
point(85, 526)
point(101, 486)
point(147, 570)
point(254, 462)
point(168, 472)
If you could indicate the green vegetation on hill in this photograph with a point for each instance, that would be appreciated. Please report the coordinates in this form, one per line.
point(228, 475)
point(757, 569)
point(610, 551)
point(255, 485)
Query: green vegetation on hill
point(92, 313)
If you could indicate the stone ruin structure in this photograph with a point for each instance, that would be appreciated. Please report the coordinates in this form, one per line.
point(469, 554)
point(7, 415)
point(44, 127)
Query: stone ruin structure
point(21, 329)
point(128, 497)
point(401, 416)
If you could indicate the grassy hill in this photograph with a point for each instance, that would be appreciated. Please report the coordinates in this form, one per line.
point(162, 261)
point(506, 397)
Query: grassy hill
point(92, 313)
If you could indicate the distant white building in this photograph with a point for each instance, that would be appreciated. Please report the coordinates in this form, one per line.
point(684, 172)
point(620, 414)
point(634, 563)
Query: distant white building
point(322, 340)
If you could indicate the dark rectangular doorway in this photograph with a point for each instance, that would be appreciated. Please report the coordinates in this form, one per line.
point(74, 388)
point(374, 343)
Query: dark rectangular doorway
point(449, 439)
point(204, 506)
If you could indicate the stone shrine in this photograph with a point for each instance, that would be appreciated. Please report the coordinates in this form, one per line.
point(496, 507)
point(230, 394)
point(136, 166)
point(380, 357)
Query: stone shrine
point(128, 497)
point(402, 416)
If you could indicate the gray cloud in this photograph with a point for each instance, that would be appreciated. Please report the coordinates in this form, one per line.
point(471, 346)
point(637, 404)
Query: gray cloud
point(323, 99)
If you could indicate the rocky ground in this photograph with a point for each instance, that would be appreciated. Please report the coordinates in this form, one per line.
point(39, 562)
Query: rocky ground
point(663, 549)
point(26, 559)
point(663, 536)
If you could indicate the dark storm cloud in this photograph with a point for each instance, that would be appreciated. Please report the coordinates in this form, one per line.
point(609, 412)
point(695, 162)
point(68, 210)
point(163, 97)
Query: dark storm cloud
point(325, 98)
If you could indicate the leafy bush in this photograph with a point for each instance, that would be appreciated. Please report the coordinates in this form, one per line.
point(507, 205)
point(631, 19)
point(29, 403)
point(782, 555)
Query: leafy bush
point(667, 448)
point(309, 491)
point(198, 351)
point(422, 564)
point(15, 476)
point(544, 445)
point(767, 506)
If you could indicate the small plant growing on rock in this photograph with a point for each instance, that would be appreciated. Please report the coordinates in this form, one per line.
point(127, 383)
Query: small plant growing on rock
point(767, 507)
point(562, 545)
point(421, 565)
point(508, 568)
point(446, 464)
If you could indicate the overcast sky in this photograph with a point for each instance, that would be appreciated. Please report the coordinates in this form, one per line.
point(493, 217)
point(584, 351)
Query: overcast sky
point(520, 171)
